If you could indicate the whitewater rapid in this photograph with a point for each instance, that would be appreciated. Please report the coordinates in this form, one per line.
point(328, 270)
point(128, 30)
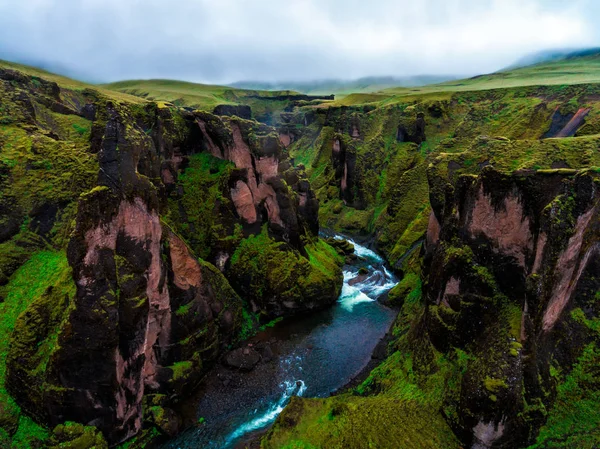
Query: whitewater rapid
point(317, 355)
point(379, 282)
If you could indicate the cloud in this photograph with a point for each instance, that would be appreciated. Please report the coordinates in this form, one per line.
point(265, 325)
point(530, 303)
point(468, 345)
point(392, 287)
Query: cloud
point(229, 40)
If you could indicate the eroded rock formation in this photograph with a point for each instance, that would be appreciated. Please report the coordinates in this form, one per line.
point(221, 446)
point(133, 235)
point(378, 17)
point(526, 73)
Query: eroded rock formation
point(513, 263)
point(148, 316)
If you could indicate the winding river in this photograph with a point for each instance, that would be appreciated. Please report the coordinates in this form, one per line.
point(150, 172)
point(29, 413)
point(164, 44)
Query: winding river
point(312, 356)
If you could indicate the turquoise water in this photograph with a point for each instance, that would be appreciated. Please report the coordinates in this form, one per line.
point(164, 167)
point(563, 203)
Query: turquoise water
point(314, 356)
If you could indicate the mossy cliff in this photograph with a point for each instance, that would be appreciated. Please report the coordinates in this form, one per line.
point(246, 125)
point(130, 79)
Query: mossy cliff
point(512, 280)
point(496, 339)
point(367, 162)
point(489, 215)
point(126, 210)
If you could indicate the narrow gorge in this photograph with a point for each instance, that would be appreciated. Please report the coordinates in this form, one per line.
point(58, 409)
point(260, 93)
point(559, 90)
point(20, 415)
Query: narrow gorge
point(283, 270)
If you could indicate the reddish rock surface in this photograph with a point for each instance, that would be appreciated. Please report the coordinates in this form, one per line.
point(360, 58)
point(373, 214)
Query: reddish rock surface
point(523, 244)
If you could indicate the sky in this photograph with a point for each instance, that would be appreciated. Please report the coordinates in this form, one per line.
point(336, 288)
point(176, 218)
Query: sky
point(223, 41)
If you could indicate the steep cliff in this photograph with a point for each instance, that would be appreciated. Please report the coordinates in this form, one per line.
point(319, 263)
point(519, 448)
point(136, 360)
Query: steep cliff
point(497, 335)
point(512, 280)
point(136, 312)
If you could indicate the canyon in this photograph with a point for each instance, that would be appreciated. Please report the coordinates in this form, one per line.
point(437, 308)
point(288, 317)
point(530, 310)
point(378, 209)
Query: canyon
point(159, 261)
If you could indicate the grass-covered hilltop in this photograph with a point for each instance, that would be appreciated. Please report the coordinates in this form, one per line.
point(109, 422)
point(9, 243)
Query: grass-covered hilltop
point(150, 226)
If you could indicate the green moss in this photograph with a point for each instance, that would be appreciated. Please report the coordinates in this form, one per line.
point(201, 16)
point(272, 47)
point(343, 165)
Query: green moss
point(77, 436)
point(579, 316)
point(30, 435)
point(262, 268)
point(271, 323)
point(409, 288)
point(44, 170)
point(95, 190)
point(298, 445)
point(181, 369)
point(27, 285)
point(574, 420)
point(514, 315)
point(203, 185)
point(353, 220)
point(249, 324)
point(494, 385)
point(358, 423)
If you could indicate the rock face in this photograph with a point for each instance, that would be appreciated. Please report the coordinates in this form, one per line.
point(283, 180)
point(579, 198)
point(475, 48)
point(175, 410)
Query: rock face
point(241, 111)
point(512, 276)
point(350, 164)
point(259, 187)
point(148, 316)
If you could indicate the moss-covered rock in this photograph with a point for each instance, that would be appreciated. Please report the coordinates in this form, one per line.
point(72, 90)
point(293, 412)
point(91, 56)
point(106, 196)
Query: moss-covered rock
point(278, 279)
point(72, 435)
point(165, 419)
point(138, 194)
point(497, 288)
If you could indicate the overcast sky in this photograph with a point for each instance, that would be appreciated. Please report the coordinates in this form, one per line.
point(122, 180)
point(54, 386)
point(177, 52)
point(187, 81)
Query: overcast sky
point(222, 41)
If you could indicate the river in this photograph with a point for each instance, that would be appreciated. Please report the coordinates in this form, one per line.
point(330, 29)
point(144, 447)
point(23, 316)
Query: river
point(312, 356)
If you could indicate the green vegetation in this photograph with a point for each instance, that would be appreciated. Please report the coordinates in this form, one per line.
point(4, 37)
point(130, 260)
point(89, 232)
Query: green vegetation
point(264, 269)
point(181, 93)
point(42, 271)
point(77, 436)
point(355, 422)
point(66, 82)
point(264, 104)
point(574, 420)
point(204, 192)
point(581, 70)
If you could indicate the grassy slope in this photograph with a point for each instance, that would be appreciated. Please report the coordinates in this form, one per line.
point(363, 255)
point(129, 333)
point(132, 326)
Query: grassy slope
point(584, 70)
point(68, 83)
point(517, 106)
point(182, 93)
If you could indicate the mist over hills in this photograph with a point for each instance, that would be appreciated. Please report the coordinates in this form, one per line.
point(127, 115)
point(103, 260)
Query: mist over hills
point(552, 55)
point(364, 84)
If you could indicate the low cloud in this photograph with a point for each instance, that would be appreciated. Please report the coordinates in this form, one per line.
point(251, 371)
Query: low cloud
point(230, 40)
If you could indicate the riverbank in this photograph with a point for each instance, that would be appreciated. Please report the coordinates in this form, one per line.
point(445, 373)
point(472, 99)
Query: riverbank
point(310, 356)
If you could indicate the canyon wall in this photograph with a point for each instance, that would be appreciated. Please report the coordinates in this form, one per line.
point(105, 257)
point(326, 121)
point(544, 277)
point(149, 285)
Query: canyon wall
point(145, 305)
point(512, 279)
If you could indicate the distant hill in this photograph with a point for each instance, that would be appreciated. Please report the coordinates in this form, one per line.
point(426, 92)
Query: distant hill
point(338, 86)
point(264, 104)
point(186, 94)
point(573, 67)
point(66, 82)
point(551, 56)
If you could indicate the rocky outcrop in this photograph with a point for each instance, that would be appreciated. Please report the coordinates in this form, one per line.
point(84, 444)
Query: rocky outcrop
point(412, 131)
point(344, 160)
point(147, 315)
point(139, 317)
point(567, 124)
point(265, 188)
point(510, 258)
point(241, 111)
